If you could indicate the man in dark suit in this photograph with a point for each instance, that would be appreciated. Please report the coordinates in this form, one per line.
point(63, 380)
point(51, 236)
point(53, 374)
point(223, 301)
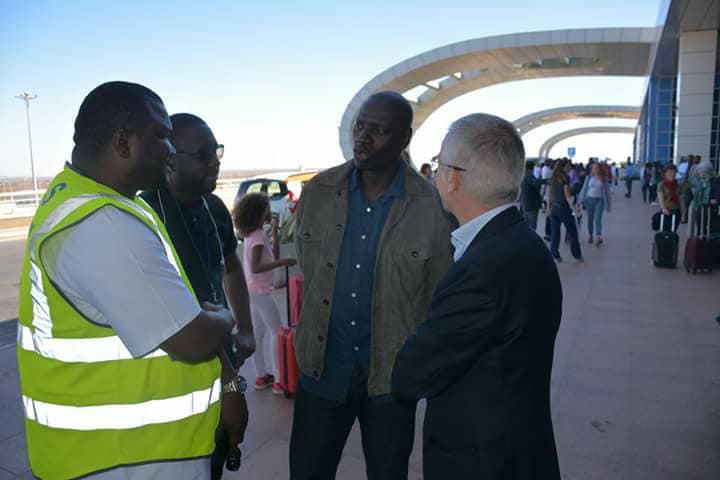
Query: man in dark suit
point(483, 357)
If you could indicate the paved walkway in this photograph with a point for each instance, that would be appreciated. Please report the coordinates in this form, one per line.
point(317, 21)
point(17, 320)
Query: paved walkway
point(636, 382)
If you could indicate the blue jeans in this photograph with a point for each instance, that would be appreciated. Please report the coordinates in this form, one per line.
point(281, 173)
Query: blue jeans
point(563, 215)
point(595, 208)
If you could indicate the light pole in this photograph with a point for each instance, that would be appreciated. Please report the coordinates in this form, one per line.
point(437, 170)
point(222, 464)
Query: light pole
point(26, 97)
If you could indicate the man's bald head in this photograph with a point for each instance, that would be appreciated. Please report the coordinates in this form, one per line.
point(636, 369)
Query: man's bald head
point(400, 107)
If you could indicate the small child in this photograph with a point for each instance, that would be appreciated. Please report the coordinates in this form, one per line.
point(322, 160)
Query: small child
point(249, 216)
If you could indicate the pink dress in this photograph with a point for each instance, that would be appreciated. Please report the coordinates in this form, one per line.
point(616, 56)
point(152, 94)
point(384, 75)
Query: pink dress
point(258, 282)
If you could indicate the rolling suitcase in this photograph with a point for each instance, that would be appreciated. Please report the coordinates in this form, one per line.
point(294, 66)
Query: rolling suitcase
point(287, 361)
point(698, 249)
point(665, 246)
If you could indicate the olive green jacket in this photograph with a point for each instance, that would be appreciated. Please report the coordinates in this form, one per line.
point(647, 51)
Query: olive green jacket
point(413, 254)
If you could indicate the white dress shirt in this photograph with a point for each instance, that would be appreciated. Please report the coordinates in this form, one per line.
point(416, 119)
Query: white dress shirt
point(463, 236)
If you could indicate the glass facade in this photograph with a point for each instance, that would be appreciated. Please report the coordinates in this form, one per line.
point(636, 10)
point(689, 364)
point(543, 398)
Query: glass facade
point(655, 136)
point(715, 132)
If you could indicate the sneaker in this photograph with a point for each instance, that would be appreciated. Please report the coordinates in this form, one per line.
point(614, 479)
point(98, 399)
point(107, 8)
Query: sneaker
point(558, 259)
point(261, 383)
point(590, 241)
point(599, 242)
point(277, 389)
point(578, 260)
point(653, 203)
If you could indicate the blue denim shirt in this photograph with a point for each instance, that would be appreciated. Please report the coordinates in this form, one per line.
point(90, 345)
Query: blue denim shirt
point(348, 342)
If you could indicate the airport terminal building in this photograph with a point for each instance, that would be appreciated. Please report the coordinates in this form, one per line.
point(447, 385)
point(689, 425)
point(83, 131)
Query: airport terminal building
point(679, 58)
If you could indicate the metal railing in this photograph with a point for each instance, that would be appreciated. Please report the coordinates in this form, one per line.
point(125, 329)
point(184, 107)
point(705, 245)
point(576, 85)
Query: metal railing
point(22, 203)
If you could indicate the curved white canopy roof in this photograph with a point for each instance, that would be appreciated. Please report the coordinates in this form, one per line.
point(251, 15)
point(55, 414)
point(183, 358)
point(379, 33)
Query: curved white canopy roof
point(579, 112)
point(555, 139)
point(448, 72)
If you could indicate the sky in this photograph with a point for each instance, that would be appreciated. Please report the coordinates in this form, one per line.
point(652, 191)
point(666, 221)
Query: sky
point(272, 79)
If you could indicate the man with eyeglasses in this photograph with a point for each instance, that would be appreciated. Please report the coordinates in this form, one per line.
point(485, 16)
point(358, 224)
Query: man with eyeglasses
point(372, 242)
point(483, 358)
point(201, 229)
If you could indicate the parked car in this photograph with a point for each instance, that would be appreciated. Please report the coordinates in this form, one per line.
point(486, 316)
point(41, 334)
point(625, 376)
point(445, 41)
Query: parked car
point(276, 190)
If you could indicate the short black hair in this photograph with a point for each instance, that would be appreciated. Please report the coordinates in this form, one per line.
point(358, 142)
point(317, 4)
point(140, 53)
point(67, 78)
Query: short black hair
point(182, 121)
point(529, 165)
point(108, 108)
point(398, 102)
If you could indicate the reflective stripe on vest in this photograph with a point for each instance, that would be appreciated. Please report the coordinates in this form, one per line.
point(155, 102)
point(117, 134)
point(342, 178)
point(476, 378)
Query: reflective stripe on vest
point(78, 350)
point(97, 349)
point(121, 417)
point(85, 350)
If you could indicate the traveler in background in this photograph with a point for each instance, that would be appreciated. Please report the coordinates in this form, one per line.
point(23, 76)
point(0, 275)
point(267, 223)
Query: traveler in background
point(372, 244)
point(615, 173)
point(669, 198)
point(426, 171)
point(595, 196)
point(545, 177)
point(645, 178)
point(629, 177)
point(202, 233)
point(249, 216)
point(537, 170)
point(112, 340)
point(683, 180)
point(561, 213)
point(699, 184)
point(530, 196)
point(656, 177)
point(483, 358)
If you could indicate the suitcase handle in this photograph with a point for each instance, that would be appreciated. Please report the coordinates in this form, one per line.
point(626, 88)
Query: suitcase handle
point(287, 293)
point(672, 221)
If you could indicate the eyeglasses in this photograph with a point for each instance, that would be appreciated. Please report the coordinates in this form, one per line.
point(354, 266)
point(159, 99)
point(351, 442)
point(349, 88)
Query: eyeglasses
point(435, 163)
point(206, 153)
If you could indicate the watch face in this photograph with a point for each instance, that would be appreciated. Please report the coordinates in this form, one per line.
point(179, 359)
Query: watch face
point(242, 384)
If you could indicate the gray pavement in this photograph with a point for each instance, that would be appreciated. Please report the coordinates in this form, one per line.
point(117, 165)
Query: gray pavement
point(636, 381)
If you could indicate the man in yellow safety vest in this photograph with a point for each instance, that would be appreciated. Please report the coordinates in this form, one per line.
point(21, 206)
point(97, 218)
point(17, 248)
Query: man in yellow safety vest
point(121, 370)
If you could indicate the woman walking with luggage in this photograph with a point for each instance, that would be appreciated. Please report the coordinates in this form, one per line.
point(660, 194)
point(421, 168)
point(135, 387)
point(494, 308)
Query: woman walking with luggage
point(669, 199)
point(559, 200)
point(249, 216)
point(595, 195)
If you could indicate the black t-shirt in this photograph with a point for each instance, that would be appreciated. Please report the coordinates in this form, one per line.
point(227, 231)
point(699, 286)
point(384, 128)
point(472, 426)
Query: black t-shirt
point(196, 239)
point(558, 192)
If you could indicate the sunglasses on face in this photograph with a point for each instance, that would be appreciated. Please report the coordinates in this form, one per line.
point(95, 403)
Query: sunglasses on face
point(206, 153)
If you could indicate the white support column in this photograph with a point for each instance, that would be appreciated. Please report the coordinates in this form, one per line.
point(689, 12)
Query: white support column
point(695, 83)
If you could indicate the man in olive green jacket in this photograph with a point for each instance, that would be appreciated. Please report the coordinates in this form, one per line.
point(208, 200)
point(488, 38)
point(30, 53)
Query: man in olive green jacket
point(372, 242)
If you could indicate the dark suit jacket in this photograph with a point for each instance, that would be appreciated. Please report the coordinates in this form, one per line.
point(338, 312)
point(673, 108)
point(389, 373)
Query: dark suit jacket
point(483, 360)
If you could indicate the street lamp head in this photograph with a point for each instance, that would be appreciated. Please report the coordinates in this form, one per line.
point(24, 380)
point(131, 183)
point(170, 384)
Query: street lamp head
point(26, 96)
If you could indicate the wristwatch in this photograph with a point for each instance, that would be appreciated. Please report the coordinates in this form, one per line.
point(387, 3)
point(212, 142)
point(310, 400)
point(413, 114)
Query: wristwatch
point(236, 385)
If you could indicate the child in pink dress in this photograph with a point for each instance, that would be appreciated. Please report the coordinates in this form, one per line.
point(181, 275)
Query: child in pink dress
point(249, 216)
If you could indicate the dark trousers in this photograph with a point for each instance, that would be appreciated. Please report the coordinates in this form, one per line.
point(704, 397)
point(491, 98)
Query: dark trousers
point(321, 428)
point(531, 218)
point(628, 187)
point(562, 215)
point(645, 191)
point(222, 444)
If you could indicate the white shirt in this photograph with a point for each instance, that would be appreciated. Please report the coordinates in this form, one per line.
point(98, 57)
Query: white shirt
point(115, 271)
point(463, 236)
point(546, 172)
